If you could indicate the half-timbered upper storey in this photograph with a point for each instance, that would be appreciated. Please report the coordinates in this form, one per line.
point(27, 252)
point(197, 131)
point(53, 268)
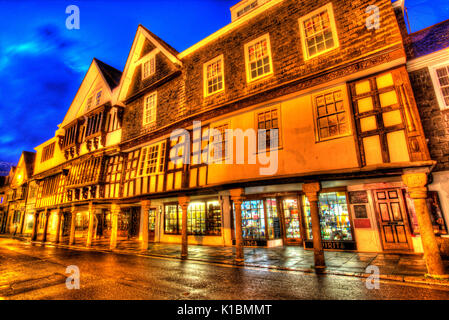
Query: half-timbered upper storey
point(70, 166)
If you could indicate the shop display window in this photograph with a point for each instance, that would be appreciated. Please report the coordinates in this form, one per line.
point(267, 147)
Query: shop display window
point(81, 222)
point(273, 223)
point(213, 219)
point(253, 220)
point(203, 218)
point(196, 218)
point(292, 222)
point(173, 219)
point(334, 217)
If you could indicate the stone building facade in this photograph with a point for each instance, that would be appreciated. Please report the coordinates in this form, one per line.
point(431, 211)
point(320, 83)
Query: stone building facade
point(312, 107)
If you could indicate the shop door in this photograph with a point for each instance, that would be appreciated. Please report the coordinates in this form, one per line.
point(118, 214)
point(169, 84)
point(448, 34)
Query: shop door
point(134, 224)
point(151, 224)
point(392, 218)
point(292, 223)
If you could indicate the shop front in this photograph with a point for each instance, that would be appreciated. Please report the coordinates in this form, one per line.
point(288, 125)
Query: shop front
point(28, 224)
point(261, 225)
point(204, 222)
point(81, 224)
point(335, 221)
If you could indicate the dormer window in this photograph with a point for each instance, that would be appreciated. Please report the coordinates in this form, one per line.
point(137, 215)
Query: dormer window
point(246, 9)
point(149, 67)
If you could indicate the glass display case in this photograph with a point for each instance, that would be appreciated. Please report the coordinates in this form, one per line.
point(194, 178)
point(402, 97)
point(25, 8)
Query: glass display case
point(291, 216)
point(334, 217)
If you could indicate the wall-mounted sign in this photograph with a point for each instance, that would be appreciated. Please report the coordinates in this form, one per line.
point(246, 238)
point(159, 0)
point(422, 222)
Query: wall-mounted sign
point(362, 223)
point(360, 211)
point(358, 197)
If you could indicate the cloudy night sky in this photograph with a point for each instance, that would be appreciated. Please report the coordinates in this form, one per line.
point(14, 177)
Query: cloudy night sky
point(42, 63)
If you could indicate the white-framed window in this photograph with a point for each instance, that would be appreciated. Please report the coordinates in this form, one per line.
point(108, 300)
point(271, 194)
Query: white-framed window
point(148, 66)
point(440, 78)
point(258, 58)
point(152, 159)
point(213, 75)
point(149, 108)
point(318, 32)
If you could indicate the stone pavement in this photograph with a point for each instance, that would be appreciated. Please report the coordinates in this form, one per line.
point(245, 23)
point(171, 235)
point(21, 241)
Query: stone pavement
point(399, 267)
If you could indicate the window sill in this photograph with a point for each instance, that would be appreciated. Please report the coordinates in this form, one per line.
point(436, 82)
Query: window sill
point(334, 137)
point(260, 78)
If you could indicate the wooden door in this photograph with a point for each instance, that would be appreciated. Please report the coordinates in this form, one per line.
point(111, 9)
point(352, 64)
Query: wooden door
point(392, 219)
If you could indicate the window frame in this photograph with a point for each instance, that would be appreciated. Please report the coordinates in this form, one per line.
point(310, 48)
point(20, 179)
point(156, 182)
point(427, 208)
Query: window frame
point(265, 109)
point(436, 83)
point(219, 59)
point(148, 59)
point(333, 28)
point(249, 79)
point(160, 167)
point(153, 121)
point(224, 142)
point(346, 109)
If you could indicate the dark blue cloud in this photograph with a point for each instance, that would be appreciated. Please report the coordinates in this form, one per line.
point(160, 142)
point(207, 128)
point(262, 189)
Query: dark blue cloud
point(38, 79)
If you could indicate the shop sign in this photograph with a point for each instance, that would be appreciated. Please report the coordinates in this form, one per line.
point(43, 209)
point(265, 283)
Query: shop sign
point(334, 245)
point(358, 197)
point(254, 243)
point(360, 211)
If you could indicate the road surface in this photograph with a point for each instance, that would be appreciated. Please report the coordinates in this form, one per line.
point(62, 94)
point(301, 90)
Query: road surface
point(35, 272)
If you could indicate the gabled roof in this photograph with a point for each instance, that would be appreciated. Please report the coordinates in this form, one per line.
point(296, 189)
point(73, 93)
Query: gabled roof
point(29, 158)
point(110, 74)
point(133, 56)
point(168, 47)
point(430, 40)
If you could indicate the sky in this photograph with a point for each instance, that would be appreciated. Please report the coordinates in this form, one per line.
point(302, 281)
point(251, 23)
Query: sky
point(42, 63)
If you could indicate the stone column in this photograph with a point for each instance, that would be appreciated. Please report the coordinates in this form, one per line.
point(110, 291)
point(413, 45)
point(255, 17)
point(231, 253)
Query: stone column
point(225, 204)
point(416, 184)
point(144, 212)
point(47, 215)
point(312, 192)
point(184, 203)
point(34, 233)
point(237, 197)
point(58, 226)
point(72, 225)
point(90, 230)
point(115, 211)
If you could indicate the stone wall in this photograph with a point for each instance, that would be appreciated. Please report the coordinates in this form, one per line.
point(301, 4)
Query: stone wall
point(435, 121)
